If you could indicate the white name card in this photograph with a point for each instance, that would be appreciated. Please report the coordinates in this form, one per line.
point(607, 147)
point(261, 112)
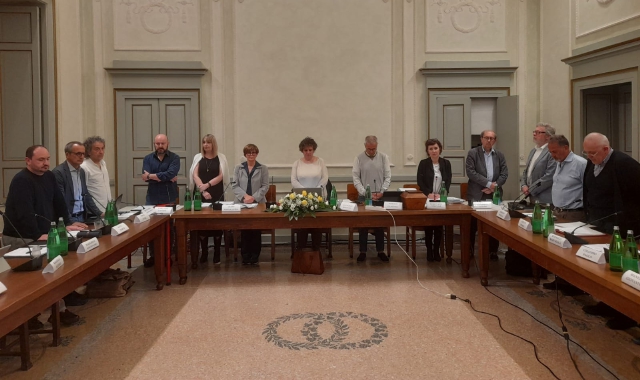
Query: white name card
point(393, 205)
point(119, 229)
point(524, 225)
point(504, 215)
point(141, 218)
point(54, 265)
point(148, 211)
point(629, 277)
point(88, 245)
point(2, 288)
point(436, 206)
point(559, 241)
point(592, 254)
point(163, 210)
point(482, 205)
point(348, 206)
point(231, 208)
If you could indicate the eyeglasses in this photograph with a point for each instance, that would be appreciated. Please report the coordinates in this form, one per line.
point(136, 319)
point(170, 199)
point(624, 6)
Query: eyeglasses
point(589, 154)
point(251, 153)
point(538, 133)
point(77, 154)
point(489, 138)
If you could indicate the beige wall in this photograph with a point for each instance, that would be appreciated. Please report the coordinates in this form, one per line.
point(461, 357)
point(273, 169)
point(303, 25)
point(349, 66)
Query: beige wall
point(279, 70)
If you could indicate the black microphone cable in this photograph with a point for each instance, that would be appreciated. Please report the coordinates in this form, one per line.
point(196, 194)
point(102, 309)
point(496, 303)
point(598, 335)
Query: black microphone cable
point(18, 233)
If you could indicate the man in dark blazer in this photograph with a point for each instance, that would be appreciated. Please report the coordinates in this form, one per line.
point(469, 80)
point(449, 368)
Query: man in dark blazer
point(487, 171)
point(71, 180)
point(540, 166)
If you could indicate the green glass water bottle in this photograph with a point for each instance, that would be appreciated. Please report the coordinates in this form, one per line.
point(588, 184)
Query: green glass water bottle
point(53, 242)
point(110, 214)
point(616, 248)
point(536, 220)
point(443, 193)
point(497, 197)
point(630, 256)
point(333, 200)
point(549, 226)
point(197, 200)
point(64, 240)
point(187, 200)
point(368, 200)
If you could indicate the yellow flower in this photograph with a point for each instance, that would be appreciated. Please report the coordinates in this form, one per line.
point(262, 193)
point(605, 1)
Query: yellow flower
point(292, 196)
point(319, 199)
point(304, 193)
point(304, 202)
point(310, 196)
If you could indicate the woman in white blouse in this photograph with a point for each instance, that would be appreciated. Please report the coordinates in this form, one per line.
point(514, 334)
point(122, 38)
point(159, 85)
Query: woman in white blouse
point(309, 171)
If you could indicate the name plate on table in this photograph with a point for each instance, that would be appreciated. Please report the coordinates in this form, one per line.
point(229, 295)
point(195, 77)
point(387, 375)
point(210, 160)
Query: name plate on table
point(348, 206)
point(2, 288)
point(503, 214)
point(231, 208)
point(393, 205)
point(592, 254)
point(524, 225)
point(119, 229)
point(54, 265)
point(630, 278)
point(141, 218)
point(88, 245)
point(482, 205)
point(436, 206)
point(148, 211)
point(163, 210)
point(559, 241)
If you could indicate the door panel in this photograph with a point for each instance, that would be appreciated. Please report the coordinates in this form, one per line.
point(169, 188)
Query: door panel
point(507, 132)
point(175, 119)
point(142, 124)
point(453, 129)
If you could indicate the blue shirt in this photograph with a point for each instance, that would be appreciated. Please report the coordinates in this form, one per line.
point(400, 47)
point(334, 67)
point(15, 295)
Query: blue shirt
point(566, 191)
point(78, 204)
point(163, 191)
point(488, 161)
point(598, 168)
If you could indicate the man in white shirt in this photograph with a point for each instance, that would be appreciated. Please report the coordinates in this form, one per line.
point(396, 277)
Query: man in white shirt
point(96, 172)
point(540, 166)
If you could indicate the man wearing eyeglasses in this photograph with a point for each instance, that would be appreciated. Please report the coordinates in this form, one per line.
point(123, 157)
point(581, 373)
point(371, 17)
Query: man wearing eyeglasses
point(487, 171)
point(72, 182)
point(540, 166)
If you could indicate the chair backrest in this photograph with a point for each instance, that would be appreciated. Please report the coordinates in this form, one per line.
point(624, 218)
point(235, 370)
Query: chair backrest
point(352, 193)
point(270, 196)
point(411, 186)
point(463, 190)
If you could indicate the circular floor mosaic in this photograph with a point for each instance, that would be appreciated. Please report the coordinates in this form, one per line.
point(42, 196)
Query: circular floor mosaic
point(311, 339)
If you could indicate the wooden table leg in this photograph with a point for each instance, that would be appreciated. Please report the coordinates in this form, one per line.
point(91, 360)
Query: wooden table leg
point(194, 248)
point(483, 254)
point(535, 269)
point(448, 242)
point(25, 350)
point(465, 247)
point(167, 251)
point(55, 324)
point(159, 246)
point(181, 247)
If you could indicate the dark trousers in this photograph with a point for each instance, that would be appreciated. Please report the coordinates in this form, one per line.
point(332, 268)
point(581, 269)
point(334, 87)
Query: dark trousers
point(251, 245)
point(493, 242)
point(433, 237)
point(303, 236)
point(363, 234)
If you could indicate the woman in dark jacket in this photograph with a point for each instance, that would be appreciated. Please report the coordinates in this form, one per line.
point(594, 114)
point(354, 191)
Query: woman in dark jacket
point(432, 173)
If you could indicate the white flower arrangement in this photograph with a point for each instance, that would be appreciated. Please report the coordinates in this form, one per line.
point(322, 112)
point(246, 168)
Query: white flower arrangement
point(300, 205)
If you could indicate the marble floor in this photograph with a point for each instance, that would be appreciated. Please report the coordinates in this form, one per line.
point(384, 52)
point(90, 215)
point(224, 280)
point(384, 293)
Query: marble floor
point(370, 320)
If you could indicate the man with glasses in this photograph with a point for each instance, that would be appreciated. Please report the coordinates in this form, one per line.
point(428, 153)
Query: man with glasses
point(71, 180)
point(487, 171)
point(540, 166)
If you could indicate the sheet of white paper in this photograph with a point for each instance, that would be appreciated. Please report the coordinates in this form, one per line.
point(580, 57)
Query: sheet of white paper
point(74, 233)
point(206, 204)
point(249, 205)
point(581, 230)
point(124, 216)
point(24, 252)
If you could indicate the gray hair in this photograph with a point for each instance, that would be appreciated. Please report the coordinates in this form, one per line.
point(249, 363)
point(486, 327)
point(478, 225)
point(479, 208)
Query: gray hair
point(599, 138)
point(371, 139)
point(88, 143)
point(488, 130)
point(69, 147)
point(548, 128)
point(559, 139)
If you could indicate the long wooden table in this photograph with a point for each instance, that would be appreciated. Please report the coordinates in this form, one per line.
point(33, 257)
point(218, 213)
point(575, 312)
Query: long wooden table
point(29, 293)
point(257, 218)
point(595, 279)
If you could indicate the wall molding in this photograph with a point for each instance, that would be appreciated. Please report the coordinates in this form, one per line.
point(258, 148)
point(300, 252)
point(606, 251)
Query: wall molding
point(602, 27)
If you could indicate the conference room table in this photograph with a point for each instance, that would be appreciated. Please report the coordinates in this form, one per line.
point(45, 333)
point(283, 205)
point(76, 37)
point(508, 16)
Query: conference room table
point(258, 219)
point(29, 293)
point(595, 279)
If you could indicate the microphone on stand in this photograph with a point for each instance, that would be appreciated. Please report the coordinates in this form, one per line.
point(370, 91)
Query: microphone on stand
point(73, 244)
point(105, 229)
point(573, 239)
point(34, 263)
point(217, 205)
point(515, 205)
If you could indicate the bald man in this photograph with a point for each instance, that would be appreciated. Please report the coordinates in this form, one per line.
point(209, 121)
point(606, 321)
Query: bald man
point(159, 170)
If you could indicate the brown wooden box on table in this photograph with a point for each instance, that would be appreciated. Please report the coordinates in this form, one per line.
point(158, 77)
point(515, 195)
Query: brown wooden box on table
point(413, 200)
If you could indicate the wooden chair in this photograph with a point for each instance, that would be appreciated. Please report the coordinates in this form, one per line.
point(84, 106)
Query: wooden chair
point(270, 196)
point(352, 195)
point(463, 190)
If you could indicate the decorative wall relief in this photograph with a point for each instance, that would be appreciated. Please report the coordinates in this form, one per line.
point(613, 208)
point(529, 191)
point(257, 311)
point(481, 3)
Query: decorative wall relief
point(465, 26)
point(597, 15)
point(156, 24)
